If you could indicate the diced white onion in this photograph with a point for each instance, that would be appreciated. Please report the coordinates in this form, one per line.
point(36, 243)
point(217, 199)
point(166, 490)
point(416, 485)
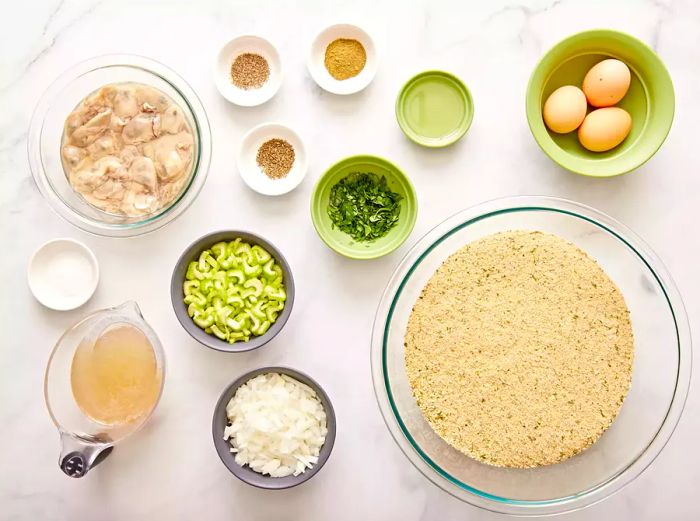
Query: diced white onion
point(277, 425)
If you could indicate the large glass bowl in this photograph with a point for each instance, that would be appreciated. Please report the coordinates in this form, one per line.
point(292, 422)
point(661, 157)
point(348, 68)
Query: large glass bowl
point(661, 371)
point(46, 131)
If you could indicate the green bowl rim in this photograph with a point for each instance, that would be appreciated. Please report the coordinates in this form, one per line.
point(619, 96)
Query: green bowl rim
point(368, 254)
point(547, 144)
point(461, 131)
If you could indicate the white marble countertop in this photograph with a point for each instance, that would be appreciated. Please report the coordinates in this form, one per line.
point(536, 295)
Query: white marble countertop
point(170, 470)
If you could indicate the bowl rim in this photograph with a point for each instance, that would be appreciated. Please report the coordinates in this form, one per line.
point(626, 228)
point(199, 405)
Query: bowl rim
point(268, 482)
point(201, 130)
point(533, 112)
point(382, 386)
point(180, 310)
point(316, 202)
point(425, 141)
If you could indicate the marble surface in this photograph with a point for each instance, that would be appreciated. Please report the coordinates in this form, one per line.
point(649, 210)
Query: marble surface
point(170, 470)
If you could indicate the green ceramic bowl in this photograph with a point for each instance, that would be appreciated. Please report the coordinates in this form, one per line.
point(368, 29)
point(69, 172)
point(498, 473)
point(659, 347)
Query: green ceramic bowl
point(434, 109)
point(340, 241)
point(650, 101)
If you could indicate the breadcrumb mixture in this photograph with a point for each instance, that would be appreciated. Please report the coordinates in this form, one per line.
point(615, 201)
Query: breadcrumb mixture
point(519, 350)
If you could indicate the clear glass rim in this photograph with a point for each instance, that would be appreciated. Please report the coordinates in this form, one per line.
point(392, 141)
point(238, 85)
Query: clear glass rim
point(200, 166)
point(382, 387)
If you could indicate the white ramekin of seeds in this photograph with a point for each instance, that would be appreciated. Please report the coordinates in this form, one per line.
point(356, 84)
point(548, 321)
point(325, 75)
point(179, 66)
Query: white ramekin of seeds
point(272, 159)
point(248, 70)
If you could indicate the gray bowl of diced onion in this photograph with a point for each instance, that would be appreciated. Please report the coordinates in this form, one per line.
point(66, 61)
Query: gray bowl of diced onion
point(177, 295)
point(223, 447)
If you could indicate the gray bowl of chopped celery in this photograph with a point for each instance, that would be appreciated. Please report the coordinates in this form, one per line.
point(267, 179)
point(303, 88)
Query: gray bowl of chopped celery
point(235, 298)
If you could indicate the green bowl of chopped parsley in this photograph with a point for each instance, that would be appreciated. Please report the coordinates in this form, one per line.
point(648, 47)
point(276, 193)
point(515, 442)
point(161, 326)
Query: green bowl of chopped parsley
point(364, 207)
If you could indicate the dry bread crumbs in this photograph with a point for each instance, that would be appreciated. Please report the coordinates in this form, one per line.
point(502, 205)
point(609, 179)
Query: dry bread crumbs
point(519, 350)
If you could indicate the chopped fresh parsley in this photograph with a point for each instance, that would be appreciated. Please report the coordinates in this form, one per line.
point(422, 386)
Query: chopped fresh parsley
point(363, 206)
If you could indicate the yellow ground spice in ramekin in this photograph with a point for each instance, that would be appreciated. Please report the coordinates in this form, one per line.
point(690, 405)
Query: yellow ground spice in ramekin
point(345, 58)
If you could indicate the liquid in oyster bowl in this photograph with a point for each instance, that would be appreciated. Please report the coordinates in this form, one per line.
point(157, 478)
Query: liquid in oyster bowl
point(119, 145)
point(103, 381)
point(127, 149)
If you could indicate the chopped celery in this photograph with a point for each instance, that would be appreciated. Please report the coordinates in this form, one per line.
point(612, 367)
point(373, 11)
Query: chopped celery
point(219, 249)
point(235, 301)
point(271, 315)
point(190, 285)
point(204, 321)
point(262, 328)
point(217, 332)
point(255, 321)
point(236, 274)
point(255, 284)
point(212, 262)
point(268, 270)
point(234, 290)
point(251, 270)
point(256, 311)
point(206, 286)
point(261, 256)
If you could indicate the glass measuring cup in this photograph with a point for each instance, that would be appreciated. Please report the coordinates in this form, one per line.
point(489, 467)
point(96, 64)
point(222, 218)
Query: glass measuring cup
point(84, 441)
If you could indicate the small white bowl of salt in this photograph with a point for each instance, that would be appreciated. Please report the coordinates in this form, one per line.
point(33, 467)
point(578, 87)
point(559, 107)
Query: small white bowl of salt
point(63, 274)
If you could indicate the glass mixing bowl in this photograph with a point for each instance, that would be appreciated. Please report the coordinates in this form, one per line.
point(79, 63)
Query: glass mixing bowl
point(661, 371)
point(46, 131)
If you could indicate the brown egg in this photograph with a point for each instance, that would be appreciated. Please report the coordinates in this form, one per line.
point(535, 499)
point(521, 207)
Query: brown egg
point(606, 83)
point(604, 129)
point(565, 109)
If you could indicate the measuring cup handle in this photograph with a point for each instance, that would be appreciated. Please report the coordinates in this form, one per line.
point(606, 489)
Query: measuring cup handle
point(78, 456)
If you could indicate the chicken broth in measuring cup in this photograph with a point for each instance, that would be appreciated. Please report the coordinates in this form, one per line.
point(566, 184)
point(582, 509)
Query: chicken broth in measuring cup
point(115, 378)
point(127, 149)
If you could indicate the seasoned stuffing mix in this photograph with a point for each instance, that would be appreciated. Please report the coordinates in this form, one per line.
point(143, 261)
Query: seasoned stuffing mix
point(519, 350)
